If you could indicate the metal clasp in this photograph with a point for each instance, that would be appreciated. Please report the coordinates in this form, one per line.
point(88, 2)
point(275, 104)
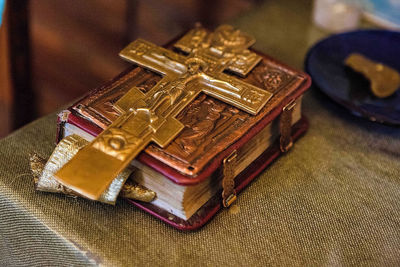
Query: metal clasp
point(285, 125)
point(290, 105)
point(228, 181)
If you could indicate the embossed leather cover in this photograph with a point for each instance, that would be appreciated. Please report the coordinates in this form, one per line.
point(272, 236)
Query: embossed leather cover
point(213, 129)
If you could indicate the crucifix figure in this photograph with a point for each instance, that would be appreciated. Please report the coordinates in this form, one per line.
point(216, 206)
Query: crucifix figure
point(201, 64)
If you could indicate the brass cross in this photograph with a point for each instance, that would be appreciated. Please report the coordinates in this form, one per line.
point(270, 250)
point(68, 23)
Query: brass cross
point(198, 66)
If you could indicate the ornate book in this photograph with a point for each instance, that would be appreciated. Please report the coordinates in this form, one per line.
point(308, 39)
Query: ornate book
point(223, 143)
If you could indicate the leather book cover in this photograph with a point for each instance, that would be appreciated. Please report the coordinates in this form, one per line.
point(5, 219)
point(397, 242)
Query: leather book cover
point(213, 129)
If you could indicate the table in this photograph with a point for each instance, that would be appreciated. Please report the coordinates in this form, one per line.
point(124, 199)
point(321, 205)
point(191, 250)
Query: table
point(333, 200)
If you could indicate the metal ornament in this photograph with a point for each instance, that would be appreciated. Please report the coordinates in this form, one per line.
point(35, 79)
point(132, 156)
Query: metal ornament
point(385, 81)
point(198, 66)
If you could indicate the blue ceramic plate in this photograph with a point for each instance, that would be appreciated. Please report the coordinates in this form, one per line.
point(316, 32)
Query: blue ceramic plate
point(324, 63)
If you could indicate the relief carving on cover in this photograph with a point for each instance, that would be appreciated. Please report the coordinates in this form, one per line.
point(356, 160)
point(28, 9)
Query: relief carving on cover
point(99, 106)
point(210, 124)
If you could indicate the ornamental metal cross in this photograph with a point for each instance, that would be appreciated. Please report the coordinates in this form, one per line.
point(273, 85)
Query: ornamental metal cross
point(197, 67)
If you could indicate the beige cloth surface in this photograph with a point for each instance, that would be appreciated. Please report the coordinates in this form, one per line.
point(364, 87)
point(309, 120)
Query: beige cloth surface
point(333, 200)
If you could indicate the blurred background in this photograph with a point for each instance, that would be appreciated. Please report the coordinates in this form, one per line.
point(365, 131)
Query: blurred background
point(72, 46)
point(53, 51)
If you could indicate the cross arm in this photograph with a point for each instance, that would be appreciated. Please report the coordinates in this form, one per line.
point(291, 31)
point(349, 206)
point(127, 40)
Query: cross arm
point(153, 57)
point(238, 93)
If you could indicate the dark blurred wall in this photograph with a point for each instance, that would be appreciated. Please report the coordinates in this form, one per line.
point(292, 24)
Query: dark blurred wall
point(5, 82)
point(75, 43)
